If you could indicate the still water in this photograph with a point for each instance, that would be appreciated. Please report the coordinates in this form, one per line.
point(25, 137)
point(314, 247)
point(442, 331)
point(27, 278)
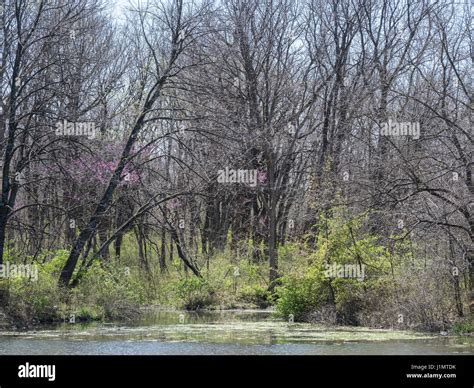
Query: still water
point(224, 332)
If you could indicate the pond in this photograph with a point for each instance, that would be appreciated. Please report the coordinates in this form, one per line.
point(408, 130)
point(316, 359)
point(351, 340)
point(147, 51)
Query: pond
point(239, 332)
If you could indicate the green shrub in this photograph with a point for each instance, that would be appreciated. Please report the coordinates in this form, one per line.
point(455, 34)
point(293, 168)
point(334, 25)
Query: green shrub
point(104, 292)
point(90, 313)
point(463, 327)
point(195, 293)
point(257, 295)
point(115, 290)
point(30, 300)
point(307, 291)
point(299, 295)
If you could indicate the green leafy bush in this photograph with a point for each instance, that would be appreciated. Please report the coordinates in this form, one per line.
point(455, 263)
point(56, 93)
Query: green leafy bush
point(300, 294)
point(257, 295)
point(36, 300)
point(90, 313)
point(195, 293)
point(463, 327)
point(115, 290)
point(309, 289)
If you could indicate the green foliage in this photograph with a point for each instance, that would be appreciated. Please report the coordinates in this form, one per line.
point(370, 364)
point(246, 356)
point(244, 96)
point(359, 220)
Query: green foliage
point(53, 262)
point(195, 293)
point(300, 293)
point(394, 282)
point(256, 295)
point(90, 313)
point(339, 242)
point(115, 289)
point(36, 300)
point(104, 292)
point(463, 327)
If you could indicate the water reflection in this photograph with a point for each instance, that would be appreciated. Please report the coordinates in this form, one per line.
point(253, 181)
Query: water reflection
point(223, 332)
